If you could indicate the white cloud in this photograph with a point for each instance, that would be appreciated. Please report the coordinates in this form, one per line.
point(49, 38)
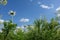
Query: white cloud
point(58, 9)
point(39, 2)
point(1, 31)
point(18, 27)
point(1, 21)
point(24, 20)
point(46, 7)
point(31, 0)
point(58, 12)
point(58, 15)
point(22, 27)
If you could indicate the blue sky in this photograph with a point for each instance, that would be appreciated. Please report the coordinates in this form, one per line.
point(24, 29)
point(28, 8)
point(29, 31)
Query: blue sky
point(29, 10)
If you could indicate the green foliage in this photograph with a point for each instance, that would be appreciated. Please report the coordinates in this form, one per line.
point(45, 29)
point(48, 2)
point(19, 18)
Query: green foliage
point(8, 27)
point(40, 30)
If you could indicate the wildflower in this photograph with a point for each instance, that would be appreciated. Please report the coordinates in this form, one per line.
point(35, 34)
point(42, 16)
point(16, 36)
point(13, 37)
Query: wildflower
point(12, 13)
